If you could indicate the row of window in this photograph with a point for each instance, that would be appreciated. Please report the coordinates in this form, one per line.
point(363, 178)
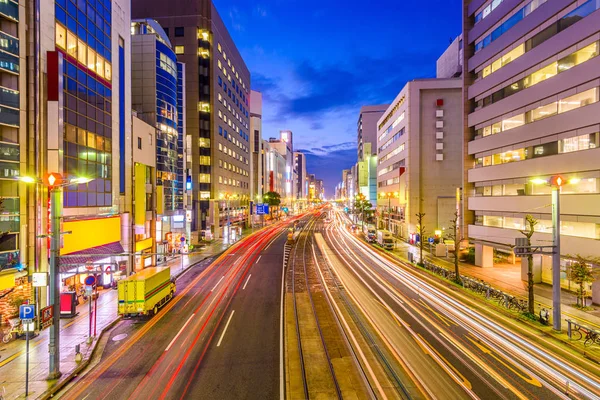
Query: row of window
point(233, 153)
point(392, 140)
point(233, 140)
point(220, 49)
point(392, 167)
point(584, 98)
point(576, 58)
point(563, 23)
point(508, 24)
point(577, 186)
point(233, 168)
point(232, 182)
point(569, 228)
point(392, 126)
point(232, 96)
point(89, 20)
point(568, 145)
point(392, 153)
point(487, 10)
point(233, 126)
point(76, 48)
point(392, 112)
point(234, 113)
point(389, 182)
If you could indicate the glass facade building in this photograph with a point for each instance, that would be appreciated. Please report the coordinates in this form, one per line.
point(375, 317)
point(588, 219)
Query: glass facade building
point(83, 35)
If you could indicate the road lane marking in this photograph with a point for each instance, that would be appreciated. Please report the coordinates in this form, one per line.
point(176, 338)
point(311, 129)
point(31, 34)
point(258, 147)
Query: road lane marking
point(465, 381)
point(485, 350)
point(258, 259)
point(213, 289)
point(180, 331)
point(225, 330)
point(246, 281)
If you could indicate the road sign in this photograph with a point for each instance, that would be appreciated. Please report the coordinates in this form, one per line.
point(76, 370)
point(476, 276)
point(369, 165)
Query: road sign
point(431, 240)
point(89, 289)
point(262, 209)
point(26, 311)
point(90, 280)
point(46, 316)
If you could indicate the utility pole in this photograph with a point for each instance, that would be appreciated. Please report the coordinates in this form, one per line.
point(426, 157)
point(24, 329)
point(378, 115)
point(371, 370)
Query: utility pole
point(54, 337)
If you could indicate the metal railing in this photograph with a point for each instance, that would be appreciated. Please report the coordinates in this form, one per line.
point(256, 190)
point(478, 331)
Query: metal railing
point(577, 331)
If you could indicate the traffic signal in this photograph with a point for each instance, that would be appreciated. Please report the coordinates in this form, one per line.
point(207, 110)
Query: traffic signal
point(557, 180)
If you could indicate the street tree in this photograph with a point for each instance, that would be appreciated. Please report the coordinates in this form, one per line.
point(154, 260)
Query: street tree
point(362, 206)
point(421, 229)
point(531, 222)
point(453, 235)
point(582, 272)
point(273, 199)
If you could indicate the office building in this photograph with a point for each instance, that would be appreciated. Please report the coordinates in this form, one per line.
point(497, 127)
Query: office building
point(300, 181)
point(284, 145)
point(419, 157)
point(16, 138)
point(275, 167)
point(155, 90)
point(366, 127)
point(450, 63)
point(531, 77)
point(217, 112)
point(256, 164)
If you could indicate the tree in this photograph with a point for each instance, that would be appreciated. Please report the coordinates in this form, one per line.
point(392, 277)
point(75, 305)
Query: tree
point(273, 199)
point(362, 205)
point(531, 223)
point(453, 235)
point(582, 272)
point(421, 228)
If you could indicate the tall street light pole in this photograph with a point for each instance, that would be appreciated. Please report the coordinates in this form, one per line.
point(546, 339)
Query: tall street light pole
point(556, 182)
point(55, 183)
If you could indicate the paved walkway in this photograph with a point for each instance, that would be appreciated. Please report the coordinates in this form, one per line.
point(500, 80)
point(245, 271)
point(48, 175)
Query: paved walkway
point(508, 279)
point(73, 331)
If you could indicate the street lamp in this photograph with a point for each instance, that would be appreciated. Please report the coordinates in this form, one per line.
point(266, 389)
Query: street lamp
point(555, 182)
point(54, 181)
point(389, 196)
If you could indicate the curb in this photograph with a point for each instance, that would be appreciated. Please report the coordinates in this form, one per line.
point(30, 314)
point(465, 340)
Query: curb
point(63, 380)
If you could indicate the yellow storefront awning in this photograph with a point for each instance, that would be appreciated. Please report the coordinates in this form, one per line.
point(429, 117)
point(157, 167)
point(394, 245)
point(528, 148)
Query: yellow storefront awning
point(144, 244)
point(90, 233)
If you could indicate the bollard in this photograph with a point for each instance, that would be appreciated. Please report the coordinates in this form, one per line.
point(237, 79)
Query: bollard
point(78, 355)
point(569, 328)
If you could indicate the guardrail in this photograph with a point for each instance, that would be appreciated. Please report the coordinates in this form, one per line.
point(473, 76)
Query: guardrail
point(576, 331)
point(505, 300)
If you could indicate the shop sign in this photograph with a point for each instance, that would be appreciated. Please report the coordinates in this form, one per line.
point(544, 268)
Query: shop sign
point(39, 279)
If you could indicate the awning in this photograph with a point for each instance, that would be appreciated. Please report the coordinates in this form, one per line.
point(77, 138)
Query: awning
point(89, 255)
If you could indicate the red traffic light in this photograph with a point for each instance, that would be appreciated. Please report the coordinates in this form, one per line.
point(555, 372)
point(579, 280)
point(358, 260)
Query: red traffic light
point(53, 179)
point(557, 180)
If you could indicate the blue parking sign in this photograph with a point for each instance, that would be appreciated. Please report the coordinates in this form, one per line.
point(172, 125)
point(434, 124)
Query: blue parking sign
point(27, 311)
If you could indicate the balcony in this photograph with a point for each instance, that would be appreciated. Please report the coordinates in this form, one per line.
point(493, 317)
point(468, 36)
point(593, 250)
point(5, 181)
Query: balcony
point(9, 97)
point(8, 116)
point(9, 43)
point(8, 62)
point(9, 9)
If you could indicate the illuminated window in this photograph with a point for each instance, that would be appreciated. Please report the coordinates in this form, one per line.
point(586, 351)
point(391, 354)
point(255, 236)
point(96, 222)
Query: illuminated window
point(204, 195)
point(203, 53)
point(61, 36)
point(219, 64)
point(91, 59)
point(219, 47)
point(81, 52)
point(204, 160)
point(578, 100)
point(220, 179)
point(107, 71)
point(179, 49)
point(71, 45)
point(203, 107)
point(204, 143)
point(100, 66)
point(204, 178)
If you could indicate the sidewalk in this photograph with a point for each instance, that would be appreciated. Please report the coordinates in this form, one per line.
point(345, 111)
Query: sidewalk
point(74, 331)
point(508, 279)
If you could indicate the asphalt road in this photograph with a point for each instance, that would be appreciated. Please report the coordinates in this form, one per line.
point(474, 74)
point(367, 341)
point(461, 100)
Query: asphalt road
point(164, 357)
point(438, 335)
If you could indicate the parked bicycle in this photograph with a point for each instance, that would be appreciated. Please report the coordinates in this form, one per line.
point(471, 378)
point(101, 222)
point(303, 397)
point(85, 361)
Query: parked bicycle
point(16, 330)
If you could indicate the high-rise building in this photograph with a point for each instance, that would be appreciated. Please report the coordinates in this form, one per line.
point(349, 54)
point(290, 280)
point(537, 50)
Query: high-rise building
point(275, 167)
point(217, 111)
point(256, 165)
point(366, 126)
point(531, 73)
point(300, 182)
point(284, 145)
point(155, 86)
point(17, 157)
point(419, 156)
point(85, 122)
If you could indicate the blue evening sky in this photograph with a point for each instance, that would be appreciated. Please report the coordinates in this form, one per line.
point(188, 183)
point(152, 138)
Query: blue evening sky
point(317, 61)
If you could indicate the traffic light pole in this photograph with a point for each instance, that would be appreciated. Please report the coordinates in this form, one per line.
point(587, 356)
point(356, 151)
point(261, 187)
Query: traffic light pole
point(54, 337)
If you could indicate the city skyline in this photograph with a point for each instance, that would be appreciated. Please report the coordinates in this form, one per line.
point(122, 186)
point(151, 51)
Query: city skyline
point(317, 91)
